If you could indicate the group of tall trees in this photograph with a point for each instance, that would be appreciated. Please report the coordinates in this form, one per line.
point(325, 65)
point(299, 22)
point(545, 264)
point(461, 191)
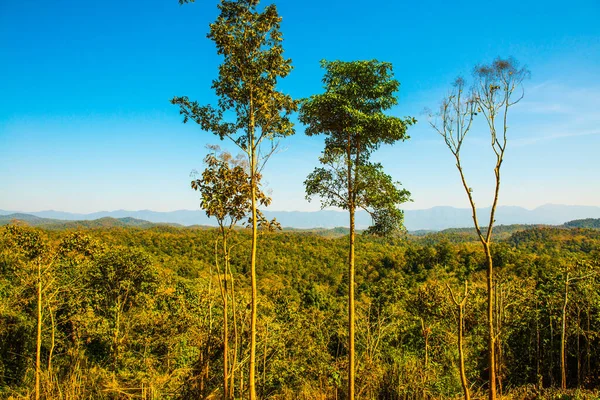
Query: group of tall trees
point(351, 113)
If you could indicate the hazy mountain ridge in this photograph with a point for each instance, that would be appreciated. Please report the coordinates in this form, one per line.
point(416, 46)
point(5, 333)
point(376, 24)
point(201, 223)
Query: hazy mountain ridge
point(435, 219)
point(103, 222)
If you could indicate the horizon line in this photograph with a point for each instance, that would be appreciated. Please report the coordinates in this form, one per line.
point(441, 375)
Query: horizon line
point(298, 211)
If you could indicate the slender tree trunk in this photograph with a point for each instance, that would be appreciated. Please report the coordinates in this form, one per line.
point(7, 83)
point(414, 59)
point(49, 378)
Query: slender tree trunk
point(351, 309)
point(425, 334)
point(578, 347)
point(205, 356)
point(264, 377)
point(52, 344)
point(551, 351)
point(485, 242)
point(490, 318)
point(461, 354)
point(251, 374)
point(241, 381)
point(115, 354)
point(563, 368)
point(588, 352)
point(224, 290)
point(499, 309)
point(235, 336)
point(38, 367)
point(351, 209)
point(538, 375)
point(225, 344)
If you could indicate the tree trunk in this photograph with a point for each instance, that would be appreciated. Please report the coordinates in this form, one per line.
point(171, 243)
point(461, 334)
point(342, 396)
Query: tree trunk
point(485, 242)
point(551, 351)
point(461, 355)
point(588, 352)
point(224, 290)
point(38, 367)
point(351, 309)
point(563, 368)
point(264, 377)
point(251, 374)
point(351, 210)
point(538, 375)
point(499, 309)
point(235, 337)
point(490, 317)
point(52, 344)
point(425, 333)
point(115, 354)
point(578, 347)
point(225, 343)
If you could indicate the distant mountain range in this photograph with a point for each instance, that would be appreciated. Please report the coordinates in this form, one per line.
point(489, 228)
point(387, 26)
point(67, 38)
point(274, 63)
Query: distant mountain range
point(104, 222)
point(434, 219)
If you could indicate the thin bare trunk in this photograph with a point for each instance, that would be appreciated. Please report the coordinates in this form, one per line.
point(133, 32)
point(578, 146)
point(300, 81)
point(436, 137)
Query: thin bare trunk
point(52, 344)
point(225, 346)
point(235, 337)
point(578, 347)
point(490, 316)
point(38, 367)
point(460, 305)
point(588, 352)
point(351, 355)
point(115, 354)
point(485, 242)
point(499, 309)
point(551, 351)
point(538, 375)
point(461, 354)
point(264, 378)
point(253, 171)
point(223, 287)
point(425, 333)
point(563, 368)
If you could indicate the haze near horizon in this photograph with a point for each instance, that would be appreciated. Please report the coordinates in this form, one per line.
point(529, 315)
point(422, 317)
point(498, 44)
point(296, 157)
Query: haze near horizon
point(86, 124)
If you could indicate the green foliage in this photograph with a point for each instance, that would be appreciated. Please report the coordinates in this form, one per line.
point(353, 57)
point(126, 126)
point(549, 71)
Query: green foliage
point(225, 190)
point(351, 115)
point(251, 45)
point(157, 280)
point(584, 223)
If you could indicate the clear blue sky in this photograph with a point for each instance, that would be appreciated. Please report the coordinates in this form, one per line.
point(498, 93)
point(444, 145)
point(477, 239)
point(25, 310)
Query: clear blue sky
point(86, 124)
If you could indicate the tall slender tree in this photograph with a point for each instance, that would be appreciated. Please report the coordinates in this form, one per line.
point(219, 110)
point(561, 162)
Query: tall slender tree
point(497, 87)
point(250, 42)
point(351, 115)
point(224, 188)
point(460, 304)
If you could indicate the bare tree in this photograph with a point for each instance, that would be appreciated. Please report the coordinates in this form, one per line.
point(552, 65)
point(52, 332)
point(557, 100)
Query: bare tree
point(460, 306)
point(497, 87)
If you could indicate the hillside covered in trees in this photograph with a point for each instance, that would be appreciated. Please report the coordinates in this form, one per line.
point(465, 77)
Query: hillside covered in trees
point(137, 313)
point(122, 308)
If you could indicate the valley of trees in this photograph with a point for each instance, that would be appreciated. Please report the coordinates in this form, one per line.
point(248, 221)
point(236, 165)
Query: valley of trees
point(248, 311)
point(137, 313)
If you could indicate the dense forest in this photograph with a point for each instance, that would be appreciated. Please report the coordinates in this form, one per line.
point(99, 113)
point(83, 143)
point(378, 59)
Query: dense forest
point(245, 310)
point(138, 313)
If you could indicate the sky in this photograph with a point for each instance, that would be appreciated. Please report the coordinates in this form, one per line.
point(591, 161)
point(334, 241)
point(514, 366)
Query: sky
point(86, 124)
